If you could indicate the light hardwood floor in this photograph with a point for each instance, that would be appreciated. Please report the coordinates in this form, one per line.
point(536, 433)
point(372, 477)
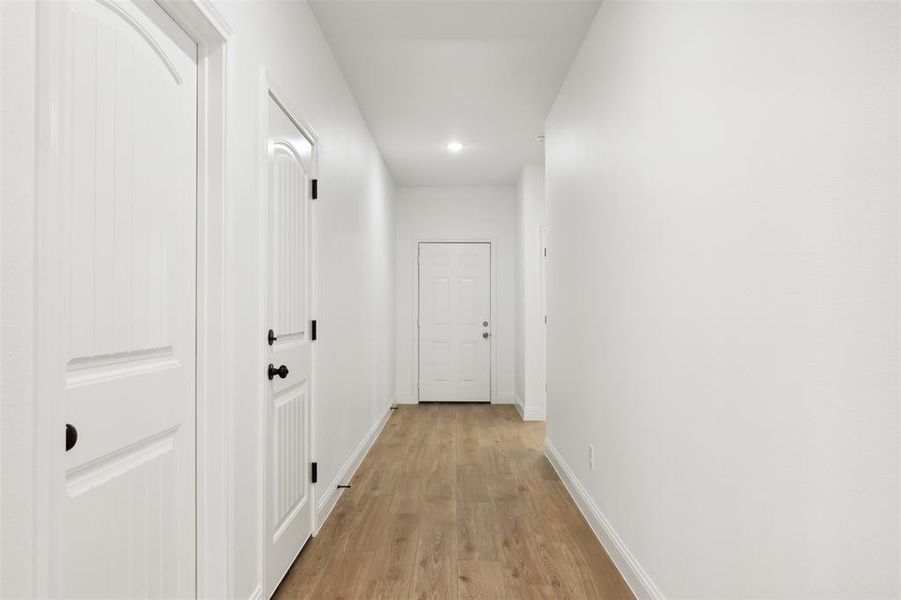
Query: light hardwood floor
point(455, 501)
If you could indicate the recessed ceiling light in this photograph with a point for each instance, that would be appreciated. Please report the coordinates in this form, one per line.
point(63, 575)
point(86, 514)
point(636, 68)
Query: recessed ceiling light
point(454, 147)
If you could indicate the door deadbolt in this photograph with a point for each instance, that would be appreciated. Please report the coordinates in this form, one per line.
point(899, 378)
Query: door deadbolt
point(484, 323)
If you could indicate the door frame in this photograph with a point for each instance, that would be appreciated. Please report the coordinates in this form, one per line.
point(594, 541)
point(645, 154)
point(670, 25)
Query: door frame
point(213, 401)
point(542, 282)
point(414, 321)
point(268, 87)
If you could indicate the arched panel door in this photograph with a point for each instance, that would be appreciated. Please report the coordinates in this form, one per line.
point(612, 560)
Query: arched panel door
point(289, 503)
point(116, 288)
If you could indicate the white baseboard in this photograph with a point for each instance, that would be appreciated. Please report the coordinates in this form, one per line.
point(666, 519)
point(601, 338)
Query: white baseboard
point(528, 414)
point(504, 398)
point(533, 414)
point(498, 399)
point(406, 399)
point(639, 581)
point(519, 408)
point(346, 472)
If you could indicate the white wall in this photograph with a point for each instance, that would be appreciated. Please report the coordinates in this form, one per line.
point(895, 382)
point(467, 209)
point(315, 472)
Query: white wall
point(530, 342)
point(355, 253)
point(17, 431)
point(723, 188)
point(460, 214)
point(355, 245)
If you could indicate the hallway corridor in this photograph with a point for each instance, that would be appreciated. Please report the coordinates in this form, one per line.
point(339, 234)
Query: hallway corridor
point(455, 501)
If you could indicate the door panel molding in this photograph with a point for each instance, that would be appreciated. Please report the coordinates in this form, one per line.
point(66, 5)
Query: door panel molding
point(414, 303)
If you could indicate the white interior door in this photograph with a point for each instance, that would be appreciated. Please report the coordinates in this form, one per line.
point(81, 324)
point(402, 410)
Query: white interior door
point(116, 314)
point(455, 322)
point(289, 491)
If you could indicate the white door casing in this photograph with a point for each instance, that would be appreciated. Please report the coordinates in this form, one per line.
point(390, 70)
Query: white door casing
point(454, 325)
point(288, 436)
point(116, 318)
point(542, 349)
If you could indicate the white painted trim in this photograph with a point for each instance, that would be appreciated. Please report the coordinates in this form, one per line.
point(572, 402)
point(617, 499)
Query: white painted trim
point(406, 399)
point(47, 406)
point(346, 472)
point(534, 413)
point(639, 581)
point(528, 414)
point(504, 399)
point(414, 305)
point(214, 447)
point(519, 407)
point(542, 299)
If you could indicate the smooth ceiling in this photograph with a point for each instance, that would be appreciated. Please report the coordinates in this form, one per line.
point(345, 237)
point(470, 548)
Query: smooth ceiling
point(482, 72)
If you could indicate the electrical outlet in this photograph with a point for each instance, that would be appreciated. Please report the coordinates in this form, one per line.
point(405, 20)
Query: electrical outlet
point(591, 457)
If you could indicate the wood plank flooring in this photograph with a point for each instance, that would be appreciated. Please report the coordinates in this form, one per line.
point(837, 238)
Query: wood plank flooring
point(455, 502)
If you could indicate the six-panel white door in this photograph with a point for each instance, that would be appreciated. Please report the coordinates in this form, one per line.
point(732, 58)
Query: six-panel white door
point(116, 309)
point(289, 512)
point(454, 322)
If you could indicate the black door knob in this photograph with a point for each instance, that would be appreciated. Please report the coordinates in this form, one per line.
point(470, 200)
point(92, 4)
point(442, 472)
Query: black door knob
point(71, 436)
point(282, 371)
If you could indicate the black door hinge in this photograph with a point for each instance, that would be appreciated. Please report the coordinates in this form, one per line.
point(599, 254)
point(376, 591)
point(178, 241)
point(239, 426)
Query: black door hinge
point(313, 330)
point(314, 472)
point(315, 189)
